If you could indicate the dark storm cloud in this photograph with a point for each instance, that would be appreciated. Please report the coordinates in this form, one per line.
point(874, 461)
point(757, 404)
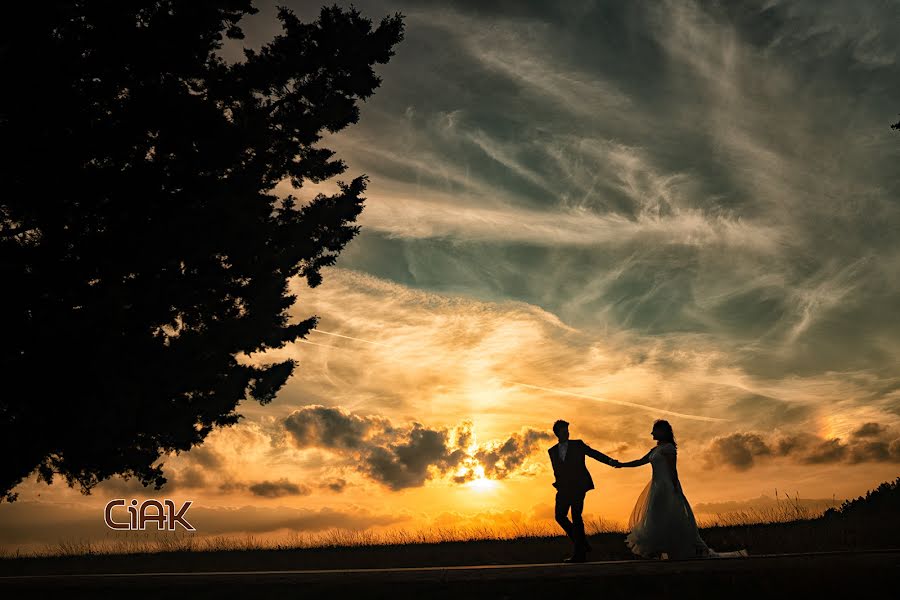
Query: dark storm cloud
point(407, 456)
point(742, 451)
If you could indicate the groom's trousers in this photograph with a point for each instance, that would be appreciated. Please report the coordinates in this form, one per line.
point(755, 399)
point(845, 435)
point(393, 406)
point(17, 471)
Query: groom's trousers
point(573, 501)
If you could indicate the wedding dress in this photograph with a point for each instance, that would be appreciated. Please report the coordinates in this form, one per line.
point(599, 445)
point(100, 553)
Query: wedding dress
point(662, 523)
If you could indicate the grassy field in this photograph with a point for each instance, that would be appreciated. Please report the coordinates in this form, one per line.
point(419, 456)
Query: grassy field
point(869, 523)
point(786, 510)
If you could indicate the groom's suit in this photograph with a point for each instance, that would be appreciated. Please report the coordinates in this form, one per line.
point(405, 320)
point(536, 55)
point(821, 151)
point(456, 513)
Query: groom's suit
point(573, 480)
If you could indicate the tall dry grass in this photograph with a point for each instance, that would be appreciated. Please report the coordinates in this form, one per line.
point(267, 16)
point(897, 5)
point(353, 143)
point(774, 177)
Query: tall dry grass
point(161, 542)
point(785, 510)
point(740, 528)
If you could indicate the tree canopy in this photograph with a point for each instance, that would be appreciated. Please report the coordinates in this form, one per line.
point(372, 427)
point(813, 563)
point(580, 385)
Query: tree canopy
point(141, 246)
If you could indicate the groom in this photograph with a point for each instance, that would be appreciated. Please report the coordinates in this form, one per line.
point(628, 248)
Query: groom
point(572, 483)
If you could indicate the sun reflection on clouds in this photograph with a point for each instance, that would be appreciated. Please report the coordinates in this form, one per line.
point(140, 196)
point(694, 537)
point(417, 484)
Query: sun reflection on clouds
point(453, 362)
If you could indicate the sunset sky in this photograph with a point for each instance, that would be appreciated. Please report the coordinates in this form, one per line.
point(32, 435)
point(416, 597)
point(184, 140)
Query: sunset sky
point(606, 212)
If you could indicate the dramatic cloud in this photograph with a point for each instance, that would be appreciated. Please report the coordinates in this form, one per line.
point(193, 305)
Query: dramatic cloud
point(738, 450)
point(869, 430)
point(177, 480)
point(685, 206)
point(666, 168)
point(408, 456)
point(333, 428)
point(277, 489)
point(205, 457)
point(872, 442)
point(676, 168)
point(335, 484)
point(500, 459)
point(265, 489)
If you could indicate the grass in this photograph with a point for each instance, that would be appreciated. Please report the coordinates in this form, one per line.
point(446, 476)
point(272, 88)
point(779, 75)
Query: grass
point(155, 542)
point(786, 510)
point(788, 526)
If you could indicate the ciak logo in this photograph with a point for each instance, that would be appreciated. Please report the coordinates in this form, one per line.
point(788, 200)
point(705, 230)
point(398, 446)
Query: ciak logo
point(164, 515)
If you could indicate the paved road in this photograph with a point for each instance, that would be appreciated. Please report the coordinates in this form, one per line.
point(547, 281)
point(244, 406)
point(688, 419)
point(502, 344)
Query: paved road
point(821, 574)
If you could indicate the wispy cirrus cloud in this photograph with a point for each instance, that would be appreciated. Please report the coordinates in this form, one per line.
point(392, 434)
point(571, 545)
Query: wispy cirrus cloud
point(687, 207)
point(683, 205)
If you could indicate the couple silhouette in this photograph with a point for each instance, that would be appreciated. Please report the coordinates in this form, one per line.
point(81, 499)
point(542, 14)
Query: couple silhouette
point(662, 524)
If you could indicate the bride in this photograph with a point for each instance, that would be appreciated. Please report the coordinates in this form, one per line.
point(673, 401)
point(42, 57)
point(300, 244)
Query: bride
point(662, 524)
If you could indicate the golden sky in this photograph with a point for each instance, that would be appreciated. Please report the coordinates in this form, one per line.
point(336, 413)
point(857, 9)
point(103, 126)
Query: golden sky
point(310, 460)
point(607, 216)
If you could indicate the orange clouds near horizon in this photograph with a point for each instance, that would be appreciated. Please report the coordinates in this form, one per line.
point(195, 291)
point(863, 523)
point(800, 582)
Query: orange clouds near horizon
point(421, 430)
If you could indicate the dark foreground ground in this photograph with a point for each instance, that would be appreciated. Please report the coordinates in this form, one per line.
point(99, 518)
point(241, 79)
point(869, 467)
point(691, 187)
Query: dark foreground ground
point(820, 575)
point(797, 537)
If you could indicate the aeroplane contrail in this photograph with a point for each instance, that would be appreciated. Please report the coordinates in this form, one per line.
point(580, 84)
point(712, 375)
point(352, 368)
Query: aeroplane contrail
point(323, 345)
point(620, 402)
point(555, 391)
point(350, 338)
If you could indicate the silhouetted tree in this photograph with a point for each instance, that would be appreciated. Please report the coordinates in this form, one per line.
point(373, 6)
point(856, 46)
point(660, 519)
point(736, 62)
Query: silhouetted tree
point(883, 501)
point(140, 250)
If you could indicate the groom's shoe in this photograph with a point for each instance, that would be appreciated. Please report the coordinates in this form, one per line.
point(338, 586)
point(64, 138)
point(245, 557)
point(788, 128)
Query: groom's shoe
point(578, 557)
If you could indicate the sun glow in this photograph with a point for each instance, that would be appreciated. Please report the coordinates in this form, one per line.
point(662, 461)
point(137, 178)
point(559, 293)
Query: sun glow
point(480, 483)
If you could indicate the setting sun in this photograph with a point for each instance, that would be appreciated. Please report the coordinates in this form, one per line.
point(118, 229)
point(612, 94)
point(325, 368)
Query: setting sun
point(482, 485)
point(479, 482)
point(564, 222)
